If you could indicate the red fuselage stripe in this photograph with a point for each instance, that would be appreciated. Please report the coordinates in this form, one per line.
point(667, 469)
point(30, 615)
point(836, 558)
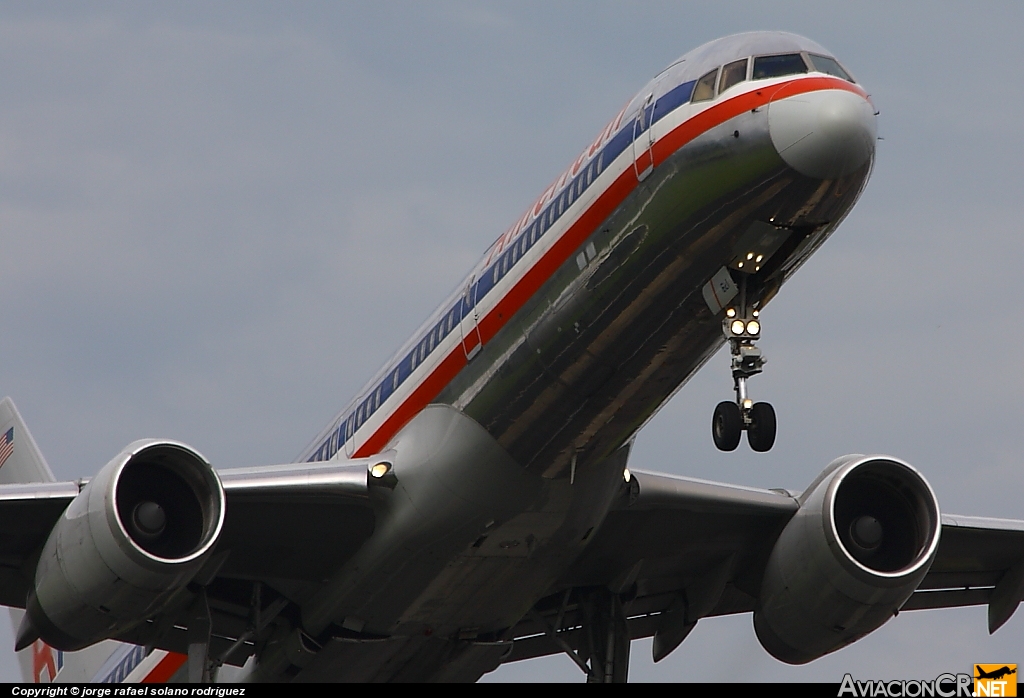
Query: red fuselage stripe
point(584, 227)
point(165, 668)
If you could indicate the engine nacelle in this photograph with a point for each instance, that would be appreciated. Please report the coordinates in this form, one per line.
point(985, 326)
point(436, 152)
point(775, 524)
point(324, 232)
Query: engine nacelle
point(862, 540)
point(136, 534)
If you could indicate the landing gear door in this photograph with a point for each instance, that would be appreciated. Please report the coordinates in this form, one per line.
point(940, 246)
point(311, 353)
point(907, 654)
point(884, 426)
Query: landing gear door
point(472, 342)
point(643, 139)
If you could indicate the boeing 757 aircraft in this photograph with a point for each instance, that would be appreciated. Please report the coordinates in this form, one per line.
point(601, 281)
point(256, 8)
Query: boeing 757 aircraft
point(475, 503)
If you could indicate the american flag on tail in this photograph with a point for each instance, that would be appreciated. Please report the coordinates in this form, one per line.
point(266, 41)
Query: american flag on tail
point(6, 446)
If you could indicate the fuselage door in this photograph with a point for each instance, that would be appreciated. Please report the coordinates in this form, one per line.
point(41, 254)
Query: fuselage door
point(349, 434)
point(643, 139)
point(472, 342)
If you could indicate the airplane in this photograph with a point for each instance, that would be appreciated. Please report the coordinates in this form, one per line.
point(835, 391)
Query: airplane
point(995, 673)
point(475, 503)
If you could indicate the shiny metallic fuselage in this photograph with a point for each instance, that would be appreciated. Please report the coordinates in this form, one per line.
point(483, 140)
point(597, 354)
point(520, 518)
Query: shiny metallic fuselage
point(566, 382)
point(594, 355)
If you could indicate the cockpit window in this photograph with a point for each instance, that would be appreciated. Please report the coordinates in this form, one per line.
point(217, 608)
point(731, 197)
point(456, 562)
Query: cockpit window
point(705, 88)
point(777, 66)
point(733, 73)
point(829, 66)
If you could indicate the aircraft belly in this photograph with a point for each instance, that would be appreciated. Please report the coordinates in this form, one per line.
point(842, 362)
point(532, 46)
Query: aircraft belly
point(466, 543)
point(623, 324)
point(404, 659)
point(492, 583)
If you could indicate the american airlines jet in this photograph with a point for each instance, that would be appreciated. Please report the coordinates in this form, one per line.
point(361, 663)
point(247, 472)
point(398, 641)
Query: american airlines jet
point(475, 503)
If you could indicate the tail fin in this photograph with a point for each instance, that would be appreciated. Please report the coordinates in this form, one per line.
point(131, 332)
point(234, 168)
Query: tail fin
point(20, 462)
point(20, 458)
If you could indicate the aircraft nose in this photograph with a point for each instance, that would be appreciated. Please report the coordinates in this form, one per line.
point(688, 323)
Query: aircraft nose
point(824, 134)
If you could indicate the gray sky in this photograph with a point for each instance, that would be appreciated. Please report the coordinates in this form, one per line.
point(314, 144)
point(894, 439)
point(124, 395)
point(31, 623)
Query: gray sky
point(218, 220)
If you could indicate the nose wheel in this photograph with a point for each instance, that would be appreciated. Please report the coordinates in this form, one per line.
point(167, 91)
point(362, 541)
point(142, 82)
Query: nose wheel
point(727, 426)
point(742, 329)
point(761, 427)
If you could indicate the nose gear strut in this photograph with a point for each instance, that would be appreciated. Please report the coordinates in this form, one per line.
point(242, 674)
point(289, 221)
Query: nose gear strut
point(742, 328)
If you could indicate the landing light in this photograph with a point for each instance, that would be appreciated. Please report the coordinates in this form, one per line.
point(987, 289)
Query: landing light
point(379, 470)
point(750, 255)
point(737, 327)
point(748, 403)
point(625, 474)
point(731, 312)
point(753, 327)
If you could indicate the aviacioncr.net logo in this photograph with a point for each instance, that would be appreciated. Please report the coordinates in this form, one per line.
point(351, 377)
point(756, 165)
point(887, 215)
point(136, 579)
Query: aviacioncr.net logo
point(995, 680)
point(943, 686)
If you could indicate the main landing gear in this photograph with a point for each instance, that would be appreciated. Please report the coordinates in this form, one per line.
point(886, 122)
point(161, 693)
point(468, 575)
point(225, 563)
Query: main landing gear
point(742, 328)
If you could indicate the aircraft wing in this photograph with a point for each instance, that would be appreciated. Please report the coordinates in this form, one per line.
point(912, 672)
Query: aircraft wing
point(980, 561)
point(676, 545)
point(669, 546)
point(286, 527)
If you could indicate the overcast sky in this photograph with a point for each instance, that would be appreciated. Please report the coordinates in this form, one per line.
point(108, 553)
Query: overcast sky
point(217, 220)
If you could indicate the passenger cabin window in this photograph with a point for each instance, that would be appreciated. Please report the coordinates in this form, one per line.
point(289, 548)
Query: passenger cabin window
point(733, 74)
point(777, 66)
point(829, 66)
point(705, 88)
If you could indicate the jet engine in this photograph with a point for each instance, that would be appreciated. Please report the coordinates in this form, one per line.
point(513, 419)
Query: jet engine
point(136, 534)
point(862, 540)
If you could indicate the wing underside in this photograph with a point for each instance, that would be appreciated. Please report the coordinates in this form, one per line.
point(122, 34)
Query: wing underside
point(286, 529)
point(688, 541)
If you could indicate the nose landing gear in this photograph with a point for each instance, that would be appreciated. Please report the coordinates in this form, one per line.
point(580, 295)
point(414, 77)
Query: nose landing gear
point(742, 328)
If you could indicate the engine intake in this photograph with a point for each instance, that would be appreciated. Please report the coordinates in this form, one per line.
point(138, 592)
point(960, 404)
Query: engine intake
point(864, 537)
point(164, 501)
point(135, 535)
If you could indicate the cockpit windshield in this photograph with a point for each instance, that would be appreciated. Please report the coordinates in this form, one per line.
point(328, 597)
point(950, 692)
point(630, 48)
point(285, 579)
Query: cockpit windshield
point(829, 66)
point(705, 88)
point(733, 73)
point(777, 66)
point(764, 67)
